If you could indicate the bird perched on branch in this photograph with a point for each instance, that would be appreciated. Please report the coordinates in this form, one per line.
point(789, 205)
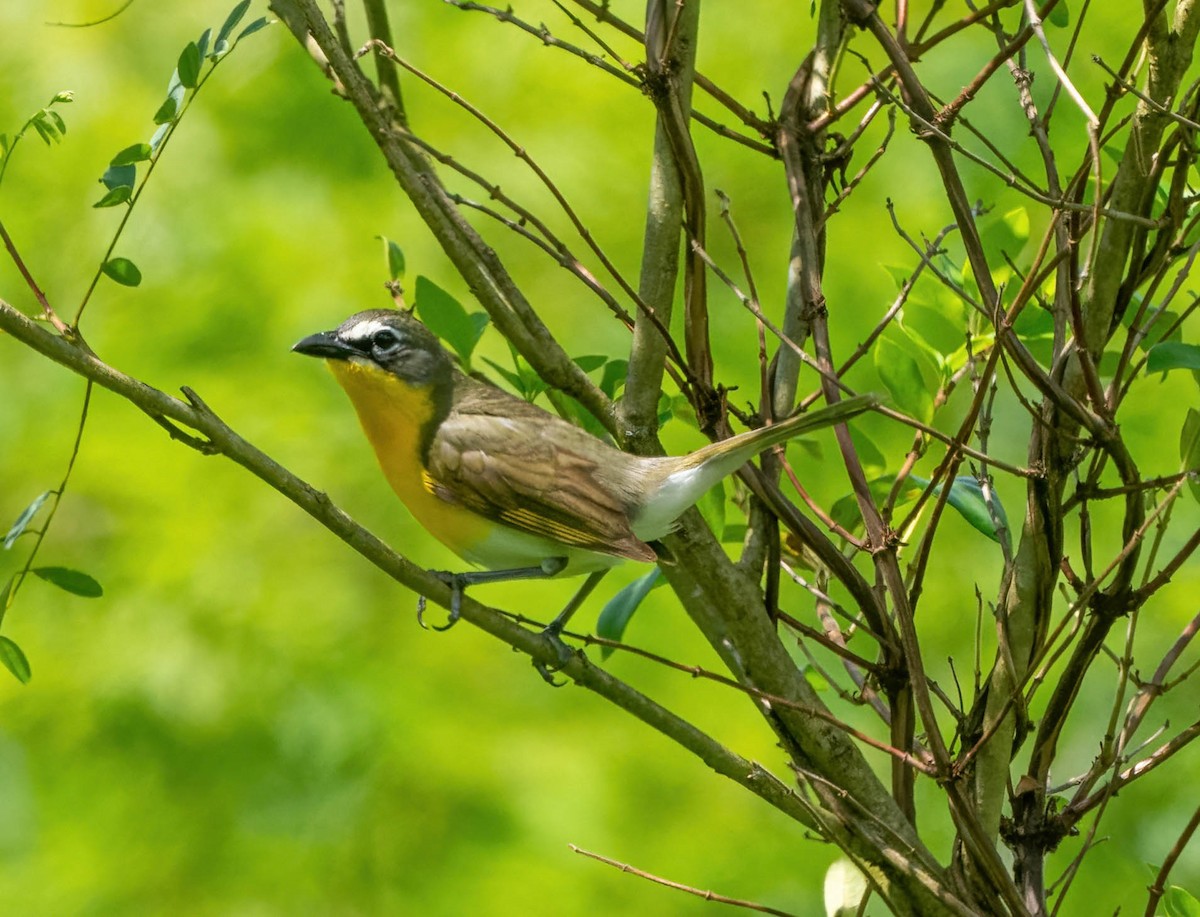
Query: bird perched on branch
point(506, 485)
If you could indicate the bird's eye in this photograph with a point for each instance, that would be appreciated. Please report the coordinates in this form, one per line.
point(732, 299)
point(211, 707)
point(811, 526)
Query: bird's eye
point(385, 340)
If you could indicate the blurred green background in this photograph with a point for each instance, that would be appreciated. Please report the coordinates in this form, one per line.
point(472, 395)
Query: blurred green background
point(249, 720)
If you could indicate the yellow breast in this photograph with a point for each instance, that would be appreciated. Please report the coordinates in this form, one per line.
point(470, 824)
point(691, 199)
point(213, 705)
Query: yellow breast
point(393, 414)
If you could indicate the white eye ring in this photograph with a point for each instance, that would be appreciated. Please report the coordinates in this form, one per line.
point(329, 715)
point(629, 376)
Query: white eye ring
point(385, 340)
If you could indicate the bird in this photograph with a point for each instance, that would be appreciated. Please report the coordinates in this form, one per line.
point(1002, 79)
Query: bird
point(506, 485)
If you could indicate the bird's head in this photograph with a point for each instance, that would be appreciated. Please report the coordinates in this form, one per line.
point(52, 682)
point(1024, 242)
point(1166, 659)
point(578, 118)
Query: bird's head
point(388, 340)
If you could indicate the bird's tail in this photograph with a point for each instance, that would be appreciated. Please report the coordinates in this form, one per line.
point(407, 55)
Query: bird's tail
point(694, 474)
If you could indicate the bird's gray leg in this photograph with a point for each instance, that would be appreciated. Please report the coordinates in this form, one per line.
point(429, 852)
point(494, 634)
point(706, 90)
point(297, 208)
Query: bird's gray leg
point(458, 583)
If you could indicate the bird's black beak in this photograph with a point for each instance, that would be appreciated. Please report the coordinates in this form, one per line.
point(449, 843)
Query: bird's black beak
point(324, 344)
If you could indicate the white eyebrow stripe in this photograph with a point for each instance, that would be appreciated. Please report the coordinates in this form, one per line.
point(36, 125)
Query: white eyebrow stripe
point(364, 329)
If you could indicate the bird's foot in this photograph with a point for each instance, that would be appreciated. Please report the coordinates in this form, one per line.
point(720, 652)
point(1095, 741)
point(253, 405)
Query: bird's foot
point(458, 583)
point(564, 654)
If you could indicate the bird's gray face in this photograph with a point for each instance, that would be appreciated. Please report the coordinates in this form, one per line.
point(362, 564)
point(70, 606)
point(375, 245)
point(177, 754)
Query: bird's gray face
point(392, 340)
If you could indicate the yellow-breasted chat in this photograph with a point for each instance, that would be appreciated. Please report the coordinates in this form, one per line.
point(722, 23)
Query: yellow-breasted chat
point(506, 485)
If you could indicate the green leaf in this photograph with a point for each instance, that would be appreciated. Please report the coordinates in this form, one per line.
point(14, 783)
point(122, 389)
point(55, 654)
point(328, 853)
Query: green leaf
point(159, 134)
point(1034, 323)
point(620, 608)
point(255, 26)
point(42, 131)
point(14, 660)
point(59, 124)
point(227, 27)
point(873, 461)
point(123, 271)
point(1189, 450)
point(171, 106)
point(508, 375)
point(614, 376)
point(1060, 16)
point(138, 152)
point(395, 258)
point(1172, 355)
point(712, 508)
point(966, 496)
point(25, 518)
point(72, 581)
point(815, 679)
point(119, 177)
point(445, 316)
point(115, 196)
point(189, 65)
point(202, 42)
point(65, 96)
point(1007, 234)
point(591, 362)
point(899, 368)
point(1179, 902)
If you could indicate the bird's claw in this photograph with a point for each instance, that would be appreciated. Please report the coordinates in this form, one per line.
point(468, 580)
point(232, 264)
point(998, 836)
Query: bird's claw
point(564, 653)
point(454, 581)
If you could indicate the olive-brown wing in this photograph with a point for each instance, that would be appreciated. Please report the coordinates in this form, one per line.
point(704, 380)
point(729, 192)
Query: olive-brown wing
point(519, 466)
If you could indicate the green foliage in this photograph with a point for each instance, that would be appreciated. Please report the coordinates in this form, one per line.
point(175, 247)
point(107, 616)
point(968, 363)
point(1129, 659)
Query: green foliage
point(619, 610)
point(22, 522)
point(445, 316)
point(1179, 902)
point(967, 497)
point(13, 658)
point(123, 271)
point(395, 258)
point(68, 580)
point(1172, 355)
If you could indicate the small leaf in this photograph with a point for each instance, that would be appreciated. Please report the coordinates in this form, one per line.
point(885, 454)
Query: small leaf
point(508, 375)
point(1060, 16)
point(25, 518)
point(1007, 234)
point(712, 508)
point(65, 96)
point(966, 496)
point(1189, 450)
point(591, 362)
point(171, 106)
point(138, 152)
point(614, 376)
point(115, 196)
point(900, 371)
point(189, 65)
point(230, 23)
point(159, 134)
point(202, 43)
point(59, 123)
point(72, 581)
point(14, 660)
point(1179, 902)
point(119, 177)
point(123, 271)
point(1172, 355)
point(395, 258)
point(41, 131)
point(255, 26)
point(815, 679)
point(445, 316)
point(620, 608)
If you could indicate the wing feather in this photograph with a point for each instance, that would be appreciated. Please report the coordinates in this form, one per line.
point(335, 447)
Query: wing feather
point(520, 466)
